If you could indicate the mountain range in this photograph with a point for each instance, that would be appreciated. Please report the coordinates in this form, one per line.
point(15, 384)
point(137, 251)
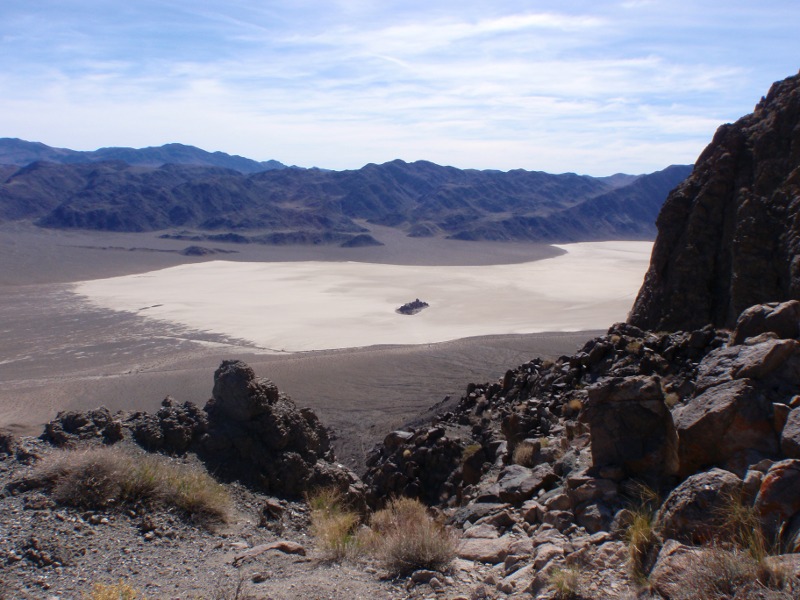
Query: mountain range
point(190, 193)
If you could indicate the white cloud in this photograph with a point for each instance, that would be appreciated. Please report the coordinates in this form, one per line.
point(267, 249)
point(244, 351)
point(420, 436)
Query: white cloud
point(627, 87)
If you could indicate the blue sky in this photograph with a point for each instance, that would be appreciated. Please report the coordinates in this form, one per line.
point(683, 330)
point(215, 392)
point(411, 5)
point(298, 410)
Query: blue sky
point(592, 87)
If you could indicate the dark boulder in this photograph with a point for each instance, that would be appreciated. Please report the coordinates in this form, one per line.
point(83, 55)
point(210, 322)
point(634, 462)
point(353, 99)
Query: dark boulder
point(71, 427)
point(631, 427)
point(778, 500)
point(695, 511)
point(175, 428)
point(782, 319)
point(729, 424)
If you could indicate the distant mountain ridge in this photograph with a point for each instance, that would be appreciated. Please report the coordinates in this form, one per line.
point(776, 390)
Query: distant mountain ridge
point(14, 151)
point(292, 205)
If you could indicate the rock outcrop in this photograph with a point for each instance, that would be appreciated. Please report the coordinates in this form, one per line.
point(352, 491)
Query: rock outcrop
point(248, 431)
point(555, 453)
point(257, 434)
point(729, 235)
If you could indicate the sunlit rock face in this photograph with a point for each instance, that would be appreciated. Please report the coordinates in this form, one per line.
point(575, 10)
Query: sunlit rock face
point(729, 236)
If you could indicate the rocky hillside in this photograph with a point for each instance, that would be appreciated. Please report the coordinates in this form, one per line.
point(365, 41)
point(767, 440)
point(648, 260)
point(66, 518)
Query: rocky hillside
point(729, 236)
point(197, 201)
point(645, 462)
point(18, 152)
point(657, 465)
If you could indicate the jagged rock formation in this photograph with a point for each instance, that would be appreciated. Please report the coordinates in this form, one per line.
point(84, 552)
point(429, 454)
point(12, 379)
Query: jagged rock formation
point(729, 235)
point(248, 431)
point(548, 461)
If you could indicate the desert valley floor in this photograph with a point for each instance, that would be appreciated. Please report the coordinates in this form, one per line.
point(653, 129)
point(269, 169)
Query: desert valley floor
point(59, 350)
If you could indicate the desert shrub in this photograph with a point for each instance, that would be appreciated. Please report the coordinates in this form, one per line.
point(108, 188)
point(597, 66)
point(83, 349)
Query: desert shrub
point(719, 573)
point(672, 399)
point(524, 453)
point(575, 404)
point(565, 582)
point(740, 528)
point(116, 591)
point(99, 478)
point(407, 538)
point(641, 534)
point(333, 524)
point(470, 451)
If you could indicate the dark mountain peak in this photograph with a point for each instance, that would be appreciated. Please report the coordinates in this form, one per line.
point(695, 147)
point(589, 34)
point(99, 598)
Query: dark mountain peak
point(729, 236)
point(175, 185)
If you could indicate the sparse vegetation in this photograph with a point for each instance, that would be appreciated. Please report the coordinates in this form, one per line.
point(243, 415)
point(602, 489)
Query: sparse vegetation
point(565, 582)
point(115, 591)
point(100, 478)
point(641, 534)
point(408, 538)
point(403, 534)
point(470, 451)
point(524, 453)
point(720, 573)
point(334, 525)
point(741, 529)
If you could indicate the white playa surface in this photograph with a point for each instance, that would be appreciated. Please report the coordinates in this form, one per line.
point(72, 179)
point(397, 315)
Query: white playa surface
point(298, 306)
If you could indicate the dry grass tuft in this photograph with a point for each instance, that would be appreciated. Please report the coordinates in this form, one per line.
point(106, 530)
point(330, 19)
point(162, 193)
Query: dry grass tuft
point(334, 525)
point(741, 529)
point(719, 573)
point(524, 453)
point(116, 591)
point(641, 533)
point(408, 538)
point(565, 583)
point(100, 478)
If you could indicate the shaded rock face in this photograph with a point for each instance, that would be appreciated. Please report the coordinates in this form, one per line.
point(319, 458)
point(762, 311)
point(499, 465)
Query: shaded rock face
point(729, 235)
point(695, 510)
point(257, 434)
point(632, 427)
point(725, 424)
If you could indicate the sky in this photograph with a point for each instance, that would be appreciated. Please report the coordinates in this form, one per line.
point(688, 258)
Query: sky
point(593, 87)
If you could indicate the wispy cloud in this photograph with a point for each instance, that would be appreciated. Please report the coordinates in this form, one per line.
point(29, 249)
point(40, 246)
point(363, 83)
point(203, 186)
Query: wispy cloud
point(605, 87)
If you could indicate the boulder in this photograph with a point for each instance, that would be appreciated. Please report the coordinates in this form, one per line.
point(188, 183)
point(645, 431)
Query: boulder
point(782, 319)
point(517, 483)
point(173, 429)
point(729, 424)
point(70, 427)
point(790, 435)
point(778, 500)
point(694, 512)
point(668, 573)
point(485, 549)
point(774, 362)
point(8, 444)
point(631, 427)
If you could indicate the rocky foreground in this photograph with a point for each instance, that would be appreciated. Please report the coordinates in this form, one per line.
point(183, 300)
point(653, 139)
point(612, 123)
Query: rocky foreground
point(543, 472)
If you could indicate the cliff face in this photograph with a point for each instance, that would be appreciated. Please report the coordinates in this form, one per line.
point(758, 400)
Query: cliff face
point(729, 236)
